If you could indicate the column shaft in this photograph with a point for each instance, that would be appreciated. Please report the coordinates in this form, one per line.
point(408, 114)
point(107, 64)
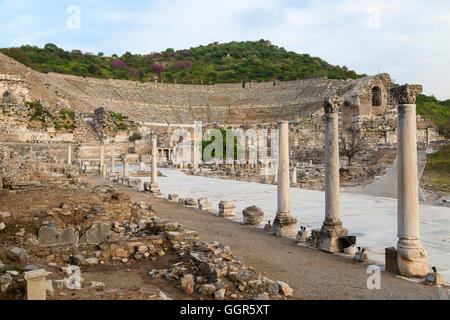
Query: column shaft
point(113, 164)
point(284, 204)
point(332, 229)
point(154, 160)
point(69, 154)
point(332, 212)
point(284, 224)
point(411, 257)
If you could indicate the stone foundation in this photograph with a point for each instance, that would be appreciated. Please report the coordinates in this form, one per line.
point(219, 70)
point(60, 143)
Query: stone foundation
point(284, 226)
point(329, 237)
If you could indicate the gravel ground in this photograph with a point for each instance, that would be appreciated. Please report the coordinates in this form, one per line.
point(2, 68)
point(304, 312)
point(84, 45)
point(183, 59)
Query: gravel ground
point(312, 274)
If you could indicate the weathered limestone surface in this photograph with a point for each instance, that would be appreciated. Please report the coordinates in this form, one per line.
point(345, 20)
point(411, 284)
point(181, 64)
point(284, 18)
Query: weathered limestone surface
point(52, 236)
point(36, 286)
point(227, 209)
point(253, 215)
point(96, 234)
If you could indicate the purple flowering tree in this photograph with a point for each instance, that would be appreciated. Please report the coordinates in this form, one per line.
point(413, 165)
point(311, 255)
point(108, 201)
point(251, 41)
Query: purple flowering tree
point(182, 65)
point(119, 64)
point(158, 69)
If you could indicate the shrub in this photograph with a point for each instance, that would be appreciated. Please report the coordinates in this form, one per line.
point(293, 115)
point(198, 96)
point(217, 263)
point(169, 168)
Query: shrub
point(136, 136)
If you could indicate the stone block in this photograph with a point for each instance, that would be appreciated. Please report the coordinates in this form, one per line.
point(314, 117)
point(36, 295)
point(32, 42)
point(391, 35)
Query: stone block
point(227, 209)
point(49, 236)
point(434, 279)
point(390, 258)
point(302, 236)
point(190, 202)
point(96, 234)
point(17, 254)
point(205, 206)
point(253, 215)
point(36, 288)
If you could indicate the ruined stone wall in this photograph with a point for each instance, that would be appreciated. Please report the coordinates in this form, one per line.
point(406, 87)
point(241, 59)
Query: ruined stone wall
point(13, 89)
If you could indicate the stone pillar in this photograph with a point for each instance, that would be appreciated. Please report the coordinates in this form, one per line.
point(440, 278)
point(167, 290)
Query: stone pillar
point(285, 224)
point(125, 168)
point(104, 170)
point(69, 155)
point(294, 176)
point(36, 289)
point(113, 154)
point(102, 160)
point(142, 166)
point(332, 228)
point(154, 188)
point(411, 256)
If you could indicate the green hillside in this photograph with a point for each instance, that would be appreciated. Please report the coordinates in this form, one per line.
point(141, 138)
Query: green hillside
point(214, 63)
point(437, 111)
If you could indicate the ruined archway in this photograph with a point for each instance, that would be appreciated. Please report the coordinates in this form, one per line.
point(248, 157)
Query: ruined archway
point(376, 97)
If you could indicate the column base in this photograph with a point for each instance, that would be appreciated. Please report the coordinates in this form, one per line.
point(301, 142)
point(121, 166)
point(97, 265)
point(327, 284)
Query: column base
point(329, 237)
point(154, 188)
point(411, 261)
point(285, 225)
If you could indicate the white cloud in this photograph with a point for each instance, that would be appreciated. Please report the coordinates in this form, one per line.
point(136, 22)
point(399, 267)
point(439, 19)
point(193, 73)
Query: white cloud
point(411, 43)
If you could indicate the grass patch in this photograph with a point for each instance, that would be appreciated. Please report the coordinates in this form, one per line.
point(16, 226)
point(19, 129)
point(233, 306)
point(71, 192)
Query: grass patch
point(437, 170)
point(38, 112)
point(18, 269)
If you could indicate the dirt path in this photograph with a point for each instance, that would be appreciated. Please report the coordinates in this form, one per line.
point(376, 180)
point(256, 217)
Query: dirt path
point(313, 274)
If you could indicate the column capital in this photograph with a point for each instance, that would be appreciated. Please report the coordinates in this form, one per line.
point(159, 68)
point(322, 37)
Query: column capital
point(331, 104)
point(406, 94)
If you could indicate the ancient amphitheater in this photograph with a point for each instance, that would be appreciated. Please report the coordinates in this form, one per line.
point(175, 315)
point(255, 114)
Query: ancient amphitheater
point(180, 104)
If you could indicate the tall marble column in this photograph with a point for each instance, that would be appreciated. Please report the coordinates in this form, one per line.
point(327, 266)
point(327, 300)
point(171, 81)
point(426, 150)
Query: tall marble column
point(332, 228)
point(411, 257)
point(285, 224)
point(69, 154)
point(154, 188)
point(113, 155)
point(102, 159)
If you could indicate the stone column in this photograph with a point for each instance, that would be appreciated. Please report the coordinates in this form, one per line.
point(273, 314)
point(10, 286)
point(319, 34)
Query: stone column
point(332, 228)
point(154, 188)
point(36, 289)
point(113, 163)
point(69, 155)
point(142, 166)
point(125, 168)
point(102, 160)
point(285, 224)
point(294, 175)
point(411, 256)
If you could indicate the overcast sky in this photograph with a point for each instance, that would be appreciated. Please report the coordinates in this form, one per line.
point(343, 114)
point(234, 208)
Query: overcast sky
point(409, 39)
